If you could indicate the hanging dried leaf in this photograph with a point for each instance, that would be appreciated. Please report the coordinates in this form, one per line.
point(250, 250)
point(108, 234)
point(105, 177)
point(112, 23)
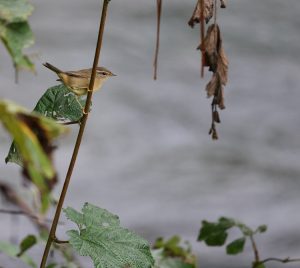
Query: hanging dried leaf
point(210, 47)
point(213, 85)
point(222, 66)
point(208, 12)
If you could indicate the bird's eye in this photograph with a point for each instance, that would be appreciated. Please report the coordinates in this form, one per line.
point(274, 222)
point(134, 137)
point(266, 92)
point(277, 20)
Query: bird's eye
point(103, 73)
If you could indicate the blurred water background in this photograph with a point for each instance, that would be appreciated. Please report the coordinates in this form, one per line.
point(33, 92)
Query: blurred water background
point(146, 154)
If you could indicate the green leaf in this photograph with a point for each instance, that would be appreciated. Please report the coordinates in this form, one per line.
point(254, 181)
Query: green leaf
point(15, 32)
point(108, 244)
point(12, 251)
point(15, 10)
point(261, 229)
point(236, 246)
point(32, 134)
point(172, 248)
point(16, 36)
point(60, 104)
point(213, 234)
point(161, 261)
point(28, 242)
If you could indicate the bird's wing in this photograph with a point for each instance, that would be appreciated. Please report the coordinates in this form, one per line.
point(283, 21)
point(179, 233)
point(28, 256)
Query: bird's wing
point(80, 74)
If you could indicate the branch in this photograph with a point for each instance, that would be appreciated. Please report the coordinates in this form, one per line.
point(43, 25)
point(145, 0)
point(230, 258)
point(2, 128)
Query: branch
point(23, 213)
point(255, 250)
point(11, 196)
point(52, 235)
point(159, 8)
point(286, 260)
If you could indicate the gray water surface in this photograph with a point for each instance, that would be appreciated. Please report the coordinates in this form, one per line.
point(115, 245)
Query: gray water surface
point(146, 154)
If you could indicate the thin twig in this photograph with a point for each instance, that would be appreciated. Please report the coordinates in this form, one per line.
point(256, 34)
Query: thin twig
point(286, 260)
point(159, 8)
point(52, 235)
point(255, 250)
point(71, 123)
point(23, 213)
point(202, 35)
point(11, 196)
point(57, 241)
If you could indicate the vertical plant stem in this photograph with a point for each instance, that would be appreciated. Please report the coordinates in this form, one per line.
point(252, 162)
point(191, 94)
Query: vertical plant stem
point(159, 7)
point(255, 250)
point(52, 234)
point(202, 35)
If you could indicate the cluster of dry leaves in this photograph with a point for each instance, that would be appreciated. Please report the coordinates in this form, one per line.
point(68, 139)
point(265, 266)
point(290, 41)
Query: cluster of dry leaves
point(213, 55)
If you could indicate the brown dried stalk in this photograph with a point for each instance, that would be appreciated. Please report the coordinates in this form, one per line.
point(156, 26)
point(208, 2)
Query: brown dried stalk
point(155, 64)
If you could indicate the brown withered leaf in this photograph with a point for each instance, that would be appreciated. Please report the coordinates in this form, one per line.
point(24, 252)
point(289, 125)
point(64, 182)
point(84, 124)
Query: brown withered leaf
point(213, 85)
point(210, 47)
point(219, 97)
point(222, 66)
point(207, 13)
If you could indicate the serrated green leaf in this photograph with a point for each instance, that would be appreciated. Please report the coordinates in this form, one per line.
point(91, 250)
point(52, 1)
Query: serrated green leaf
point(74, 216)
point(32, 134)
point(60, 104)
point(107, 243)
point(27, 243)
point(15, 10)
point(12, 251)
point(236, 246)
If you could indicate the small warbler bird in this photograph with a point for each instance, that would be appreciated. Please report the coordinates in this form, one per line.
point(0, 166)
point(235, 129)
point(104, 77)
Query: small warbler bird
point(78, 81)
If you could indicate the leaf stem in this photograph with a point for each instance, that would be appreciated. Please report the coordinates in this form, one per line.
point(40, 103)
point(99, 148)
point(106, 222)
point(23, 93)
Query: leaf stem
point(52, 236)
point(286, 260)
point(255, 250)
point(57, 241)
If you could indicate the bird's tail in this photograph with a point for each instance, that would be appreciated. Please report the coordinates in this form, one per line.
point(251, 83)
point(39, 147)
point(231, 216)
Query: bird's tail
point(52, 68)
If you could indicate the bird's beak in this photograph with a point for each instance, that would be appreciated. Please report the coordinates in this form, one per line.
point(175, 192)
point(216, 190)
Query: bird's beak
point(113, 74)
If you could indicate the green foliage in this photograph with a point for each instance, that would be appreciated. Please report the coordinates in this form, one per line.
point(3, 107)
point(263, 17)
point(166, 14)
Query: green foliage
point(28, 242)
point(170, 254)
point(216, 233)
point(13, 250)
point(236, 246)
point(32, 134)
point(60, 104)
point(15, 31)
point(101, 237)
